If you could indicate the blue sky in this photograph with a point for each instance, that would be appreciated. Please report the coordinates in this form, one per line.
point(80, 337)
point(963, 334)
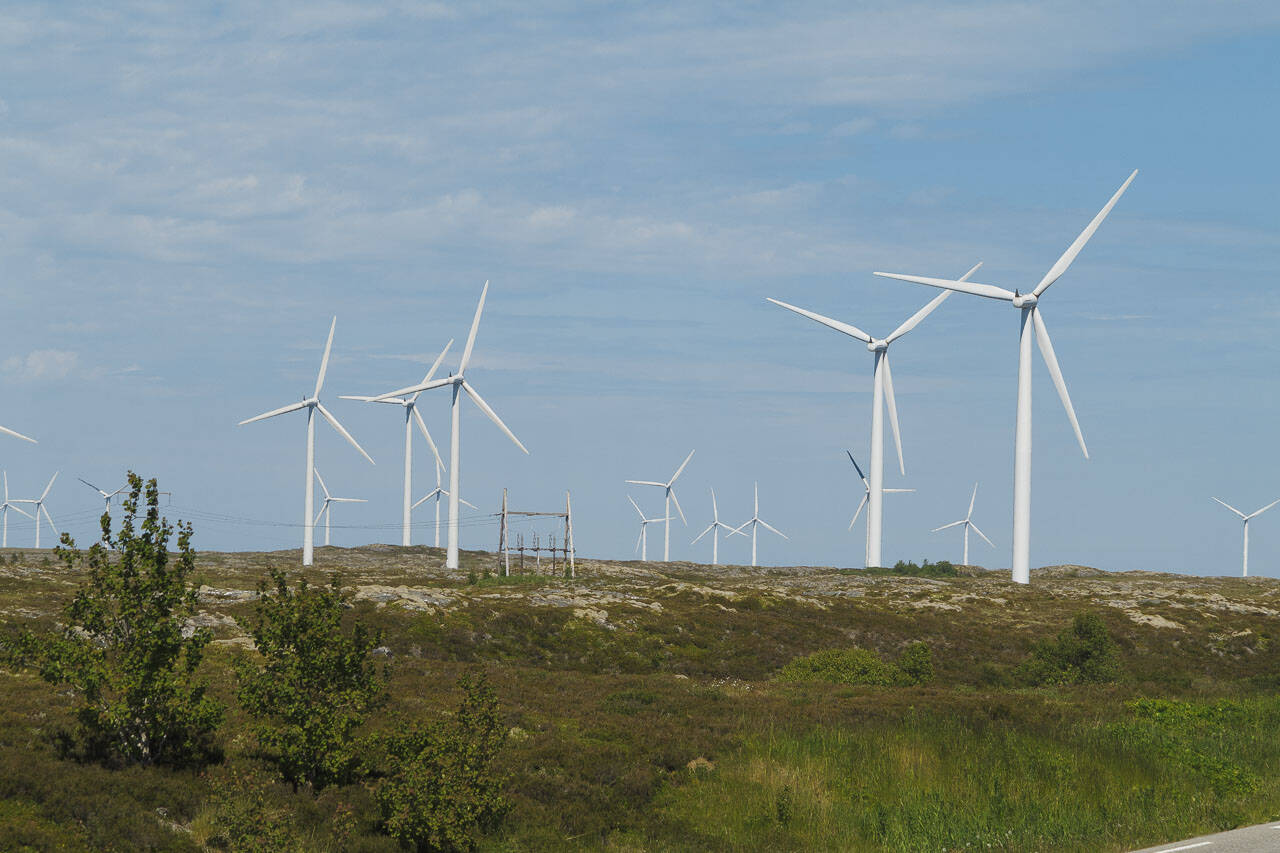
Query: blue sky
point(191, 191)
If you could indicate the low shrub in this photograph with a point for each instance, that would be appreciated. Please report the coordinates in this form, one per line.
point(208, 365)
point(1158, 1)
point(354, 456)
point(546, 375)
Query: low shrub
point(1084, 653)
point(861, 666)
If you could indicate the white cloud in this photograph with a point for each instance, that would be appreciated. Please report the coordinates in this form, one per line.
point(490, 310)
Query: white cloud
point(41, 364)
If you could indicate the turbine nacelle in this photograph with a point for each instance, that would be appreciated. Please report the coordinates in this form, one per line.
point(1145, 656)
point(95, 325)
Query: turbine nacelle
point(1024, 300)
point(878, 346)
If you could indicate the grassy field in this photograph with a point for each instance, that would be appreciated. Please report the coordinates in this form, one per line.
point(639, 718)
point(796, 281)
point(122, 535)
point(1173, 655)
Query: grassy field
point(644, 713)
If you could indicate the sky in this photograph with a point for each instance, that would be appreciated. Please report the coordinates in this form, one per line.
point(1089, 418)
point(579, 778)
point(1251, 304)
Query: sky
point(190, 192)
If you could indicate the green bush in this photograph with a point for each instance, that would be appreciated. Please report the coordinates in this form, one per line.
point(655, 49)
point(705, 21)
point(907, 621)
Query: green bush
point(313, 682)
point(861, 666)
point(122, 648)
point(1082, 654)
point(916, 663)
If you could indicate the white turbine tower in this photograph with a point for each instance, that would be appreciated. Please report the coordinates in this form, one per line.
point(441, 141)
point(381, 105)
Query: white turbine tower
point(326, 508)
point(756, 521)
point(38, 506)
point(670, 496)
point(968, 523)
point(866, 496)
point(436, 493)
point(459, 386)
point(312, 404)
point(411, 416)
point(714, 529)
point(642, 544)
point(1245, 570)
point(106, 496)
point(1032, 323)
point(13, 505)
point(881, 392)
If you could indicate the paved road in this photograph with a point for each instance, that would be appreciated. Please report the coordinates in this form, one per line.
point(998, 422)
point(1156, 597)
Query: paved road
point(1251, 839)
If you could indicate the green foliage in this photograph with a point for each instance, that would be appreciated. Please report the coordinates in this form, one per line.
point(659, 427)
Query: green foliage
point(444, 790)
point(916, 663)
point(313, 683)
point(861, 666)
point(245, 821)
point(1081, 654)
point(122, 648)
point(940, 569)
point(1189, 734)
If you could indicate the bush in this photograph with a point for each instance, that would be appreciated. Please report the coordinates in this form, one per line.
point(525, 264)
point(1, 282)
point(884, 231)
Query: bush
point(1082, 654)
point(861, 666)
point(313, 684)
point(916, 663)
point(122, 649)
point(444, 790)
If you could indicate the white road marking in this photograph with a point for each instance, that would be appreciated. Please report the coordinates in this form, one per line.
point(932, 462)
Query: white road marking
point(1190, 846)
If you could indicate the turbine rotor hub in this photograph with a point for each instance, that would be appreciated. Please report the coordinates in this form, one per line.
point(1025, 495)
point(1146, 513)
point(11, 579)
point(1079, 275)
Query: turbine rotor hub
point(1025, 300)
point(877, 346)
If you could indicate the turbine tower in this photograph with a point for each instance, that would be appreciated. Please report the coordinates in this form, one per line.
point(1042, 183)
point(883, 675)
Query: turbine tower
point(459, 386)
point(714, 529)
point(436, 493)
point(1032, 324)
point(1245, 571)
point(881, 392)
point(642, 544)
point(670, 496)
point(866, 496)
point(756, 521)
point(328, 501)
point(411, 415)
point(13, 505)
point(312, 404)
point(106, 496)
point(968, 523)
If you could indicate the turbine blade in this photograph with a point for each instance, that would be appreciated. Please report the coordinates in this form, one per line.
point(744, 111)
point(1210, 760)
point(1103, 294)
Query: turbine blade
point(422, 427)
point(983, 535)
point(6, 486)
point(471, 336)
point(20, 510)
point(680, 470)
point(914, 319)
point(945, 526)
point(893, 413)
point(851, 331)
point(896, 491)
point(323, 487)
point(972, 498)
point(16, 434)
point(493, 416)
point(638, 538)
point(324, 362)
point(349, 500)
point(858, 512)
point(774, 529)
point(436, 364)
point(646, 483)
point(1233, 509)
point(861, 475)
point(422, 501)
point(1264, 509)
point(1055, 272)
point(676, 501)
point(468, 503)
point(988, 290)
point(1051, 361)
point(91, 485)
point(637, 506)
point(715, 511)
point(710, 527)
point(292, 407)
point(412, 389)
point(333, 422)
point(362, 398)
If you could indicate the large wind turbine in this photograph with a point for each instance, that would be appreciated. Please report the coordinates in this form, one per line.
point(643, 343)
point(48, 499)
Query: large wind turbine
point(13, 505)
point(106, 496)
point(866, 496)
point(411, 415)
point(968, 523)
point(38, 506)
point(881, 392)
point(670, 496)
point(642, 544)
point(1028, 304)
point(459, 386)
point(326, 508)
point(714, 529)
point(756, 521)
point(312, 404)
point(1245, 570)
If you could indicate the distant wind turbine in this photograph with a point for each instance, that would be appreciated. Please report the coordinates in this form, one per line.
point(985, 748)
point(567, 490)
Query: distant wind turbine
point(866, 496)
point(968, 523)
point(106, 496)
point(642, 544)
point(756, 521)
point(38, 507)
point(670, 496)
point(1032, 325)
point(326, 508)
point(1245, 571)
point(881, 392)
point(13, 505)
point(459, 386)
point(714, 529)
point(436, 493)
point(312, 404)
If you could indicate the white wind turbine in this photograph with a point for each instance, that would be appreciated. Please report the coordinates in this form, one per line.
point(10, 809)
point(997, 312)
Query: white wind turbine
point(968, 523)
point(670, 496)
point(436, 493)
point(881, 392)
point(756, 521)
point(326, 508)
point(411, 415)
point(38, 506)
point(642, 544)
point(714, 529)
point(1032, 323)
point(1245, 571)
point(106, 496)
point(13, 505)
point(312, 404)
point(866, 496)
point(459, 386)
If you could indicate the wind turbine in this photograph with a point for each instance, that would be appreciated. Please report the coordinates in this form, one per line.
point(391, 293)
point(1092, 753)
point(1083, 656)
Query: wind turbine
point(968, 523)
point(312, 404)
point(642, 544)
point(106, 496)
point(1245, 571)
point(13, 505)
point(882, 391)
point(411, 415)
point(714, 529)
point(1028, 304)
point(436, 493)
point(326, 508)
point(38, 506)
point(755, 521)
point(670, 496)
point(866, 496)
point(459, 386)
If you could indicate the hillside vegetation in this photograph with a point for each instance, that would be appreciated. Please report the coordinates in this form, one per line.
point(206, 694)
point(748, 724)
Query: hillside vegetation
point(677, 706)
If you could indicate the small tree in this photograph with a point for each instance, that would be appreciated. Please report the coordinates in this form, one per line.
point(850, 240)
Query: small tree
point(313, 684)
point(444, 790)
point(122, 648)
point(1082, 654)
